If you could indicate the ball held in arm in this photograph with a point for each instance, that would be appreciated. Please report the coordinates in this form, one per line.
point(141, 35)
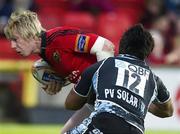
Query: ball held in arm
point(44, 74)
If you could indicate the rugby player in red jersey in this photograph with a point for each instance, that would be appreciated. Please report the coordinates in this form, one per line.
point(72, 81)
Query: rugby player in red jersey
point(68, 50)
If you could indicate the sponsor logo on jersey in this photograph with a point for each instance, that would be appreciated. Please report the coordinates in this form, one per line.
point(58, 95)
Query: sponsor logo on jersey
point(82, 43)
point(118, 94)
point(56, 56)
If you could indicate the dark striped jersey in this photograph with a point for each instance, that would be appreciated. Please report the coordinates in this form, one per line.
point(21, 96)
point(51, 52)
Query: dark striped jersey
point(124, 86)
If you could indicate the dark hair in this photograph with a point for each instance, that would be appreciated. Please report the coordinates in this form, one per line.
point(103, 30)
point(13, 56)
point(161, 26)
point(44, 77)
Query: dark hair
point(136, 41)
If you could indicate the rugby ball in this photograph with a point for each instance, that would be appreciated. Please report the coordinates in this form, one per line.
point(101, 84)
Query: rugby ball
point(44, 74)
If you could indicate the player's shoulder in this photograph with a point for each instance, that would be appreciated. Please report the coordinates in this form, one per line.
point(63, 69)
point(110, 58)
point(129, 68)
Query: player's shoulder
point(61, 30)
point(157, 78)
point(55, 33)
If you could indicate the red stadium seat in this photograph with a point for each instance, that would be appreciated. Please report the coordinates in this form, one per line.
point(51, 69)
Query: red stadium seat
point(51, 3)
point(112, 25)
point(133, 8)
point(51, 17)
point(83, 20)
point(134, 14)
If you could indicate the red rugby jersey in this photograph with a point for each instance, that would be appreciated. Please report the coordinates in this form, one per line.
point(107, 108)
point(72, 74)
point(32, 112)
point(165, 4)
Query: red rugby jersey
point(67, 49)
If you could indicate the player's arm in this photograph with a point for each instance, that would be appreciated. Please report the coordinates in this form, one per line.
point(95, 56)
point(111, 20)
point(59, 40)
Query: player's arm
point(162, 110)
point(44, 74)
point(102, 48)
point(162, 105)
point(78, 96)
point(95, 45)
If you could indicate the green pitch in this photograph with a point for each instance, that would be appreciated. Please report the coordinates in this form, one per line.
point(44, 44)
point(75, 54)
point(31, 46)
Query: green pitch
point(162, 132)
point(29, 129)
point(48, 129)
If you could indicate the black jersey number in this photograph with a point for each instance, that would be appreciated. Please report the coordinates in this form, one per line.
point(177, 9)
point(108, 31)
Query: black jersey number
point(131, 81)
point(130, 78)
point(133, 85)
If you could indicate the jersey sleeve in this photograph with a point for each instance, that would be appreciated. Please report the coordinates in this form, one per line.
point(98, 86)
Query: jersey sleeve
point(163, 94)
point(83, 87)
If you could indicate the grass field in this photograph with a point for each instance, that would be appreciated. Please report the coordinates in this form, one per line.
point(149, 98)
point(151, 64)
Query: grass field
point(48, 129)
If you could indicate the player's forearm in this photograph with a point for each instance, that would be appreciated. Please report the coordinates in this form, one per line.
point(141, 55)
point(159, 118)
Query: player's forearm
point(161, 110)
point(74, 101)
point(71, 106)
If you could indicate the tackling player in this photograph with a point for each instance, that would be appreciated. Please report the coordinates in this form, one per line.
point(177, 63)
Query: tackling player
point(67, 49)
point(125, 89)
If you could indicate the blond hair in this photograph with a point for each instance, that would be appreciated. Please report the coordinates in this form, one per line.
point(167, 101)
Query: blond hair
point(25, 22)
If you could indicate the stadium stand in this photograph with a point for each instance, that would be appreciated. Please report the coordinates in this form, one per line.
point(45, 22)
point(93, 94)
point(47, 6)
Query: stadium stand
point(51, 17)
point(112, 25)
point(84, 20)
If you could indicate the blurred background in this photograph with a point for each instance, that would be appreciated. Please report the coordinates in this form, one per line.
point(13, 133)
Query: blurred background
point(22, 100)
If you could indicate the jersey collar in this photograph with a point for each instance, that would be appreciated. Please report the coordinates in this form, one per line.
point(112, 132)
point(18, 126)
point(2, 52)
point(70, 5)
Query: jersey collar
point(43, 45)
point(129, 56)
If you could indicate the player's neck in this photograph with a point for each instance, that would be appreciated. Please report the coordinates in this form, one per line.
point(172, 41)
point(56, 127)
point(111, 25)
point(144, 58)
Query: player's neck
point(37, 49)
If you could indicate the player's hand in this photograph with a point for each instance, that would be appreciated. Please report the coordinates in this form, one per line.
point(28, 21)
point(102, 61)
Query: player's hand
point(73, 76)
point(52, 88)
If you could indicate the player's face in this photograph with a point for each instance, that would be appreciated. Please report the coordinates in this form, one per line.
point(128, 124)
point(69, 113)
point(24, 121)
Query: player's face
point(20, 45)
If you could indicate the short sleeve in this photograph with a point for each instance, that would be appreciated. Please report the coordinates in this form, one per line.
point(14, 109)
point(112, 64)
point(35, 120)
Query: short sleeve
point(163, 94)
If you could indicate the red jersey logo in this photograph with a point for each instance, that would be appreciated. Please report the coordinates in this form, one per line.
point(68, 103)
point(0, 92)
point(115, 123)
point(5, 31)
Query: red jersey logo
point(82, 43)
point(56, 56)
